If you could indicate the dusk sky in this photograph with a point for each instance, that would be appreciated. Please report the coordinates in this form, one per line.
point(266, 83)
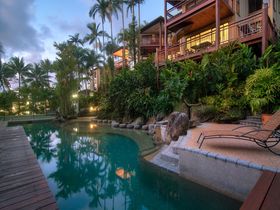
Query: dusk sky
point(28, 28)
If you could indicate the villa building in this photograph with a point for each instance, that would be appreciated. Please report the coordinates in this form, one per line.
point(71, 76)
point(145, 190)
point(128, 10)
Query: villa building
point(152, 38)
point(188, 29)
point(121, 61)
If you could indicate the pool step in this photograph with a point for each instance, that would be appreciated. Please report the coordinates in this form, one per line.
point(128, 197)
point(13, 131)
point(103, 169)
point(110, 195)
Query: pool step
point(167, 159)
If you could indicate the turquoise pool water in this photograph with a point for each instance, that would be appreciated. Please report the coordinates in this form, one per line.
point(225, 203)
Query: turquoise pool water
point(88, 167)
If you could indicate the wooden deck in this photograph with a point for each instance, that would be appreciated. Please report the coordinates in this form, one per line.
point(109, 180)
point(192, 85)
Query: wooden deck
point(266, 193)
point(22, 183)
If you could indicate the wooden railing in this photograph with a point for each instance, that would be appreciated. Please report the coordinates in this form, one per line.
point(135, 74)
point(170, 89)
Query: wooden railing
point(119, 63)
point(149, 40)
point(244, 30)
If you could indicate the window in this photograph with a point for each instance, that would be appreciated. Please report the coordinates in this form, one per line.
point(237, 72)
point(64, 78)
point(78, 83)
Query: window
point(255, 5)
point(238, 7)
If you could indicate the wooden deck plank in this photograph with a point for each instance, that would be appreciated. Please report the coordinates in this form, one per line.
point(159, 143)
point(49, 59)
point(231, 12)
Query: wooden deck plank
point(272, 201)
point(22, 183)
point(258, 194)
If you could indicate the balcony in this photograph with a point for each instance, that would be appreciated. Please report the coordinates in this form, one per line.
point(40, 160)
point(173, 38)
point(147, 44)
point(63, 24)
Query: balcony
point(248, 30)
point(150, 41)
point(195, 14)
point(119, 64)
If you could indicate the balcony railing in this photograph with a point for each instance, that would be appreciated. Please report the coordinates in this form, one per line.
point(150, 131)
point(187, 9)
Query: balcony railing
point(187, 5)
point(245, 30)
point(119, 63)
point(150, 40)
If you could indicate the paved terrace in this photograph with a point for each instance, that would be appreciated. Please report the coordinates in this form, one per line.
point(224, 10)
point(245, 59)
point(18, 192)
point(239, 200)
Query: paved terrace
point(239, 149)
point(22, 183)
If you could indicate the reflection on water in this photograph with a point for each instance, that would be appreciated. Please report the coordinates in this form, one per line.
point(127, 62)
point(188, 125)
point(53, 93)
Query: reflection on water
point(88, 170)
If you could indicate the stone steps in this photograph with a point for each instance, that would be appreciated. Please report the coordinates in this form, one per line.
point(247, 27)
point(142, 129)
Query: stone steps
point(167, 159)
point(252, 120)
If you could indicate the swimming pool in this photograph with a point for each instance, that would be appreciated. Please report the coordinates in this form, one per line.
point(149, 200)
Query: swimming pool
point(92, 167)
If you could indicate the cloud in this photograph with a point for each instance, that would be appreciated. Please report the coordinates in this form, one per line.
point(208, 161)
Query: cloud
point(69, 26)
point(16, 31)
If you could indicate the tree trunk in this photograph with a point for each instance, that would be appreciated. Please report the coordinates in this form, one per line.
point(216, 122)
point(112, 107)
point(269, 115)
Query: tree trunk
point(19, 92)
point(123, 50)
point(111, 22)
point(139, 34)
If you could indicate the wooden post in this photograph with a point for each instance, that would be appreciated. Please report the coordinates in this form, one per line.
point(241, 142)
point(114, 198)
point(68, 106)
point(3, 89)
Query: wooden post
point(217, 43)
point(264, 27)
point(157, 65)
point(165, 30)
point(160, 35)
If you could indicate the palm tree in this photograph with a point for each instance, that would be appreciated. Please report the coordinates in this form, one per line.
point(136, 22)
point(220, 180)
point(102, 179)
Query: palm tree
point(75, 39)
point(37, 77)
point(132, 28)
point(93, 61)
point(46, 66)
point(100, 7)
point(5, 74)
point(18, 66)
point(139, 2)
point(1, 50)
point(114, 6)
point(95, 33)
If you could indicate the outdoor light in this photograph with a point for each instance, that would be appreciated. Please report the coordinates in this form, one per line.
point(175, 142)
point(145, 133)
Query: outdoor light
point(75, 129)
point(27, 112)
point(92, 126)
point(75, 96)
point(27, 103)
point(13, 108)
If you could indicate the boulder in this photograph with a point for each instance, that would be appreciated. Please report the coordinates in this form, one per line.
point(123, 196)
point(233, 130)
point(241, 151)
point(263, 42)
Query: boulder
point(179, 127)
point(157, 137)
point(115, 124)
point(160, 116)
point(138, 121)
point(151, 129)
point(130, 126)
point(123, 125)
point(137, 127)
point(145, 127)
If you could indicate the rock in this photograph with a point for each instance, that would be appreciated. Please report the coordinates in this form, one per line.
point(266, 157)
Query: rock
point(93, 120)
point(137, 127)
point(164, 122)
point(138, 121)
point(123, 125)
point(160, 117)
point(145, 127)
point(105, 121)
point(151, 129)
point(179, 127)
point(172, 118)
point(151, 120)
point(99, 121)
point(157, 136)
point(109, 121)
point(130, 126)
point(115, 124)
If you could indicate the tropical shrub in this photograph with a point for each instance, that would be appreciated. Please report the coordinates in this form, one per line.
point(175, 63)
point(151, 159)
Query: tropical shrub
point(263, 90)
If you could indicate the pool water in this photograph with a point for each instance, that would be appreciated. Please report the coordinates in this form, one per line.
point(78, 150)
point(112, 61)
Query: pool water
point(88, 168)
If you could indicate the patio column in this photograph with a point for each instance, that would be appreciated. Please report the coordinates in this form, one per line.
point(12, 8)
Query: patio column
point(165, 30)
point(265, 26)
point(217, 43)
